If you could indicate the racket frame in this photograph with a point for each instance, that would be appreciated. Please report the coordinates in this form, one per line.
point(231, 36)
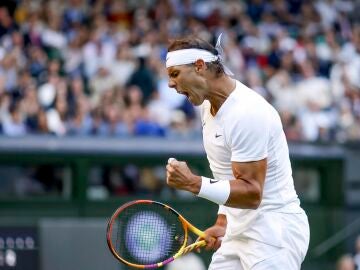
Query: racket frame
point(183, 249)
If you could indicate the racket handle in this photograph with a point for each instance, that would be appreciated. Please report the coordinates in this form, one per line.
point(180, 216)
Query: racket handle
point(193, 246)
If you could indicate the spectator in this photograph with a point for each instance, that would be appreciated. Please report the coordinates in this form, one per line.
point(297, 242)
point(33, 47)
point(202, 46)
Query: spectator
point(143, 78)
point(73, 57)
point(9, 71)
point(303, 56)
point(31, 109)
point(81, 122)
point(13, 124)
point(114, 124)
point(102, 82)
point(97, 50)
point(124, 64)
point(284, 92)
point(345, 262)
point(357, 252)
point(41, 123)
point(7, 24)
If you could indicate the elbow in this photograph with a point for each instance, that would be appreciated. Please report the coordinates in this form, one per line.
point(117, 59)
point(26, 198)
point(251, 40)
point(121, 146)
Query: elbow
point(255, 200)
point(249, 198)
point(254, 204)
point(251, 201)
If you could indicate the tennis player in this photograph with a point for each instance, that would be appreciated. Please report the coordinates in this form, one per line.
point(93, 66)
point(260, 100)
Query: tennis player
point(260, 223)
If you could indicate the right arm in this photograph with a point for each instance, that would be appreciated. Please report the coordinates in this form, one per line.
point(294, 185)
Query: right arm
point(244, 192)
point(214, 234)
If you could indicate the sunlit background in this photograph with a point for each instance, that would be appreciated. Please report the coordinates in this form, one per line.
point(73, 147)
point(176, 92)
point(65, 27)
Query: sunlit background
point(87, 121)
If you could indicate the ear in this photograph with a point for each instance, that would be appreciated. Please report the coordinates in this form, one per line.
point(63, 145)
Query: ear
point(199, 65)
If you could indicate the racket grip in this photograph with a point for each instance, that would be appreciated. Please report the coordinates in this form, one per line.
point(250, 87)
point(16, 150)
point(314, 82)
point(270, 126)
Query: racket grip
point(193, 246)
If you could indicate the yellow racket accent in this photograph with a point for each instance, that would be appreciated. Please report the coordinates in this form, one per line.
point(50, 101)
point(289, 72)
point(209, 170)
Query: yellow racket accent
point(186, 249)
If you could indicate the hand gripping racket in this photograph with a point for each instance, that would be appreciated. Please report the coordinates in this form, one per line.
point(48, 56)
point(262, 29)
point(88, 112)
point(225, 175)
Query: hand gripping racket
point(148, 234)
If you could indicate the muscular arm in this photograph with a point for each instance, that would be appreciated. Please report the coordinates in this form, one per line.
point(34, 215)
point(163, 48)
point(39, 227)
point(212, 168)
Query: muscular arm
point(245, 190)
point(247, 187)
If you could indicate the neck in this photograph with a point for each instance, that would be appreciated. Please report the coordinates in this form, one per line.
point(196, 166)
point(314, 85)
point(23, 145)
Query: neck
point(220, 89)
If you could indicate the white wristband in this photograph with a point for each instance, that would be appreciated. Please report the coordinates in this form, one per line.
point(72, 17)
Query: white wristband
point(214, 190)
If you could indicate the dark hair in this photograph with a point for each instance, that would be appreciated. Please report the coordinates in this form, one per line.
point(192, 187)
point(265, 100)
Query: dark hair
point(193, 42)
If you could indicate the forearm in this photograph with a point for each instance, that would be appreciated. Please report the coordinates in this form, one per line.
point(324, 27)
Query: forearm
point(245, 191)
point(238, 193)
point(244, 194)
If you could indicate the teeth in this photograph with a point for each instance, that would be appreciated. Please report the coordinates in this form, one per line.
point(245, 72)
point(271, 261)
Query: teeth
point(183, 93)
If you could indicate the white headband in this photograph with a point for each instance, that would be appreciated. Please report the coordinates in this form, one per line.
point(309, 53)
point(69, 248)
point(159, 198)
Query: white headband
point(189, 56)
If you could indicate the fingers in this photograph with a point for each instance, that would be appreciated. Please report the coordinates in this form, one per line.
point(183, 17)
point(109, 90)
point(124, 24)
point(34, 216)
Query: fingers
point(217, 243)
point(213, 237)
point(213, 243)
point(198, 250)
point(178, 174)
point(176, 163)
point(171, 160)
point(210, 243)
point(169, 168)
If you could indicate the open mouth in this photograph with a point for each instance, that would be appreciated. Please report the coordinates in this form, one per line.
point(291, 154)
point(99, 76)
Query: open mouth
point(183, 93)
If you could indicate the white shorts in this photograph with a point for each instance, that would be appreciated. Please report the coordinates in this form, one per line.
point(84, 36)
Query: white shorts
point(278, 250)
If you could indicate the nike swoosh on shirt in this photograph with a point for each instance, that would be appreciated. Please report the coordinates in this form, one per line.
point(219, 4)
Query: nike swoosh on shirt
point(212, 181)
point(217, 135)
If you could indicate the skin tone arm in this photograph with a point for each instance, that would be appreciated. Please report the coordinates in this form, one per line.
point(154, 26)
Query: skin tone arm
point(245, 191)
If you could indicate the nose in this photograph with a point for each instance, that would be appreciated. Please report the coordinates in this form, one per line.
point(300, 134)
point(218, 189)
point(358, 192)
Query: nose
point(171, 83)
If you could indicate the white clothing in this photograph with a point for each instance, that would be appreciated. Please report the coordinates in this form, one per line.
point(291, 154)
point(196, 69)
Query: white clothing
point(316, 90)
point(54, 38)
point(190, 260)
point(247, 128)
point(94, 57)
point(244, 252)
point(122, 70)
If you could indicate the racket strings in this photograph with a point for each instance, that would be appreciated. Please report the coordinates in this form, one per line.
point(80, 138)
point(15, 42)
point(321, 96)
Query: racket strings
point(147, 234)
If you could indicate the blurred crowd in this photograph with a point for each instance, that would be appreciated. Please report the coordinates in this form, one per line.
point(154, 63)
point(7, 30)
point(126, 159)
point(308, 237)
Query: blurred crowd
point(96, 67)
point(349, 261)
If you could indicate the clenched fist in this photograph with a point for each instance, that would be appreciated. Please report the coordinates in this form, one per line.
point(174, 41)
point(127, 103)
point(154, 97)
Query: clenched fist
point(179, 176)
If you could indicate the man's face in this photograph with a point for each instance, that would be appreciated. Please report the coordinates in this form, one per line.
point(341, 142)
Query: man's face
point(187, 82)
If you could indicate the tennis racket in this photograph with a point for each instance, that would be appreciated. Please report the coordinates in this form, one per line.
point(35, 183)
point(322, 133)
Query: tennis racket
point(148, 234)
